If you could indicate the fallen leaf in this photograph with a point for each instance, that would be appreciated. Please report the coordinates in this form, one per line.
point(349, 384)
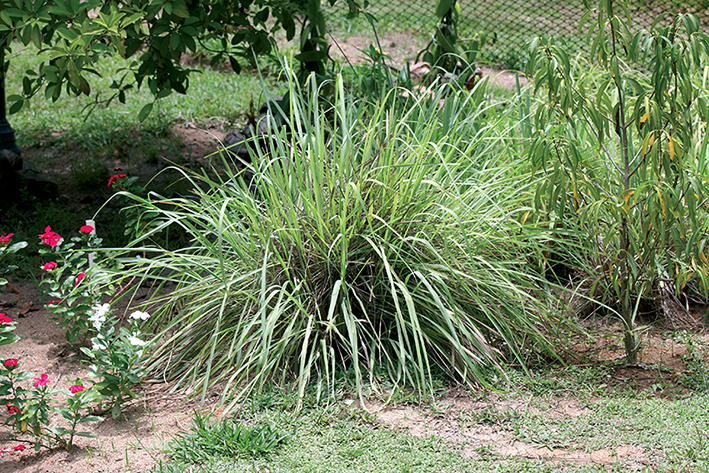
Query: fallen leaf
point(11, 287)
point(28, 307)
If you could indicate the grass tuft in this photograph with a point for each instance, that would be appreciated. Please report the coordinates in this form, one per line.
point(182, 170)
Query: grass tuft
point(372, 239)
point(224, 439)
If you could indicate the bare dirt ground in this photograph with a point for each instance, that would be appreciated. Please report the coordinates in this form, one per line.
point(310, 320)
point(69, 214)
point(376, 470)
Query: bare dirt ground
point(480, 439)
point(126, 445)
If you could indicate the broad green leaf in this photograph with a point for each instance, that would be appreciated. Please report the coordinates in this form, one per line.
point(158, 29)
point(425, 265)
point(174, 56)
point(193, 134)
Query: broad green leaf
point(180, 9)
point(145, 111)
point(443, 6)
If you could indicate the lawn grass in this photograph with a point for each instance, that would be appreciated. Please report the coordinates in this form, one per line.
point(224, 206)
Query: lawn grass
point(213, 96)
point(665, 435)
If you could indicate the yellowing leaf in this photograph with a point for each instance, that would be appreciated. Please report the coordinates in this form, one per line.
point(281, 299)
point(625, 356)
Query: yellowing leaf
point(671, 147)
point(643, 119)
point(525, 217)
point(703, 257)
point(662, 204)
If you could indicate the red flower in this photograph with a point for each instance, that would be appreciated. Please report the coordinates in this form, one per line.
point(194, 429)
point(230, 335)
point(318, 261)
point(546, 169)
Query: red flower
point(10, 363)
point(4, 239)
point(79, 278)
point(4, 319)
point(55, 301)
point(49, 266)
point(41, 381)
point(115, 178)
point(49, 237)
point(77, 388)
point(11, 408)
point(19, 448)
point(86, 229)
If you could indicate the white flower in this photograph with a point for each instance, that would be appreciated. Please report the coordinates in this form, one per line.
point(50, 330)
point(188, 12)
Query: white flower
point(136, 341)
point(140, 315)
point(97, 319)
point(101, 310)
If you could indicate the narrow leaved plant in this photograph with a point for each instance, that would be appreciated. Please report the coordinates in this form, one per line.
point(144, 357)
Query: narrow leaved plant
point(622, 142)
point(367, 240)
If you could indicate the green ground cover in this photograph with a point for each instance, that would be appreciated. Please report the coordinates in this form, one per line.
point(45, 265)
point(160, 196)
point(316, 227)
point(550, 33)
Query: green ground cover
point(665, 434)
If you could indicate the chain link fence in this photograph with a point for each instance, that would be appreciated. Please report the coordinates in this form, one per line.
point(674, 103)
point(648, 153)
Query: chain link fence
point(510, 24)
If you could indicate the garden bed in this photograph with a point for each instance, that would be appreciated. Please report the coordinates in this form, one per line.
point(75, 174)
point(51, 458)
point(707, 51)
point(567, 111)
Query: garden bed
point(474, 424)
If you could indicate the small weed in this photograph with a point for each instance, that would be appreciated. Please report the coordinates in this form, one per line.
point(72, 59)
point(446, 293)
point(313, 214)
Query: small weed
point(485, 450)
point(492, 416)
point(224, 438)
point(696, 376)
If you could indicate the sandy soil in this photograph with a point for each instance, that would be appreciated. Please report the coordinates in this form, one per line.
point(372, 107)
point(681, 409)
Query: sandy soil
point(126, 445)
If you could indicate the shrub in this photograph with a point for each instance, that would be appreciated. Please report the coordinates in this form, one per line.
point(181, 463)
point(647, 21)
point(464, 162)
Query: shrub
point(624, 154)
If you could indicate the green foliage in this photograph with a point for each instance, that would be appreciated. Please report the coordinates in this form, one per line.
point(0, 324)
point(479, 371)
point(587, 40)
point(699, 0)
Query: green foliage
point(374, 79)
point(117, 354)
point(78, 398)
point(69, 281)
point(80, 33)
point(6, 329)
point(365, 241)
point(7, 249)
point(624, 156)
point(225, 438)
point(29, 410)
point(445, 50)
point(696, 374)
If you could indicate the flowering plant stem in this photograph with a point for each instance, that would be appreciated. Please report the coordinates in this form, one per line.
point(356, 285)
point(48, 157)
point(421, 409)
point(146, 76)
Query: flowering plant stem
point(70, 282)
point(116, 356)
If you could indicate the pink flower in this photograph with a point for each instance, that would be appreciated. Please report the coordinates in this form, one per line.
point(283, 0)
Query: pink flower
point(49, 266)
point(115, 178)
point(19, 448)
point(79, 278)
point(12, 409)
point(77, 388)
point(49, 237)
point(41, 381)
point(5, 239)
point(86, 229)
point(10, 363)
point(4, 319)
